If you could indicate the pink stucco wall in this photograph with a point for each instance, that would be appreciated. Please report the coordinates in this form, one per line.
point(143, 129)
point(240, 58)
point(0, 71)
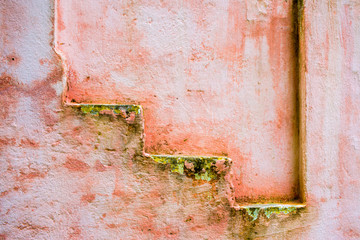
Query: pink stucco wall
point(220, 74)
point(214, 78)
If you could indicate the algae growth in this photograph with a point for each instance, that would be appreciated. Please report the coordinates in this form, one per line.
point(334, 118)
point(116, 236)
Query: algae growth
point(201, 168)
point(270, 209)
point(115, 109)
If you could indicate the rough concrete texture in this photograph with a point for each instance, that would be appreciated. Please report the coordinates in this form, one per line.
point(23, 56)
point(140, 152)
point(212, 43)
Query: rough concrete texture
point(69, 172)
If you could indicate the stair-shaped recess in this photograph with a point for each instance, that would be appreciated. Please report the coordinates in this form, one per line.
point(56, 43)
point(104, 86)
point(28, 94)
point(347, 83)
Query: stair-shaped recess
point(202, 168)
point(198, 167)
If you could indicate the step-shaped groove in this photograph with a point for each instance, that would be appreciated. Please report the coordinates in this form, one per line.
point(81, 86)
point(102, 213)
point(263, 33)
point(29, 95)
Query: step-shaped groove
point(131, 113)
point(198, 167)
point(254, 210)
point(123, 110)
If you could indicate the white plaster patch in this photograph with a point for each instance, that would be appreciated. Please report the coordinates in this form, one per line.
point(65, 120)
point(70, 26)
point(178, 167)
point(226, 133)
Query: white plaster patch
point(58, 87)
point(122, 79)
point(256, 10)
point(167, 32)
point(355, 142)
point(31, 43)
point(28, 121)
point(355, 64)
point(258, 70)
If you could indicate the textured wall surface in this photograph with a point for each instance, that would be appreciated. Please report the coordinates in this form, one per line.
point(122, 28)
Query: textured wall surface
point(69, 174)
point(332, 74)
point(214, 78)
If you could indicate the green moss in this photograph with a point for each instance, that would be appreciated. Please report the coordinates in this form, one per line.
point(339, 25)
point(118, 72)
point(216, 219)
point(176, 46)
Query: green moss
point(202, 168)
point(270, 209)
point(253, 212)
point(278, 210)
point(116, 109)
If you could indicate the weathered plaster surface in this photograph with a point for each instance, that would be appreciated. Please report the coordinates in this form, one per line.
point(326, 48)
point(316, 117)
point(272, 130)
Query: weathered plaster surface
point(72, 172)
point(214, 77)
point(332, 74)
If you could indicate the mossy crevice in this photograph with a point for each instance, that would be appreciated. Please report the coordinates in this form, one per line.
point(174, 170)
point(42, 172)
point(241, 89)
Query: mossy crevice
point(122, 110)
point(200, 168)
point(269, 209)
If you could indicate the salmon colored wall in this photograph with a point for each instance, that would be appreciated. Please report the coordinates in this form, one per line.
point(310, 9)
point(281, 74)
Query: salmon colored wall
point(70, 175)
point(214, 78)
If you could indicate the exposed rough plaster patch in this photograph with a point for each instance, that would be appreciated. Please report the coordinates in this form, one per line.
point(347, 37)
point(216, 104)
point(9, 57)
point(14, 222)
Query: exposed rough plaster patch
point(201, 168)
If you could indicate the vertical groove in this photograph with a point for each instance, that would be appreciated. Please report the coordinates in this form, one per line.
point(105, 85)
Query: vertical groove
point(301, 93)
point(297, 13)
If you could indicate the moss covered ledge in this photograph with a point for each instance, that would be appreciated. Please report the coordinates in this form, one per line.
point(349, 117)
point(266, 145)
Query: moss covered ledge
point(254, 210)
point(131, 113)
point(96, 109)
point(198, 167)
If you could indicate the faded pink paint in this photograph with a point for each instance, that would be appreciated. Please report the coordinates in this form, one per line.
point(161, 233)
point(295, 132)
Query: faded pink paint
point(59, 181)
point(332, 105)
point(214, 78)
